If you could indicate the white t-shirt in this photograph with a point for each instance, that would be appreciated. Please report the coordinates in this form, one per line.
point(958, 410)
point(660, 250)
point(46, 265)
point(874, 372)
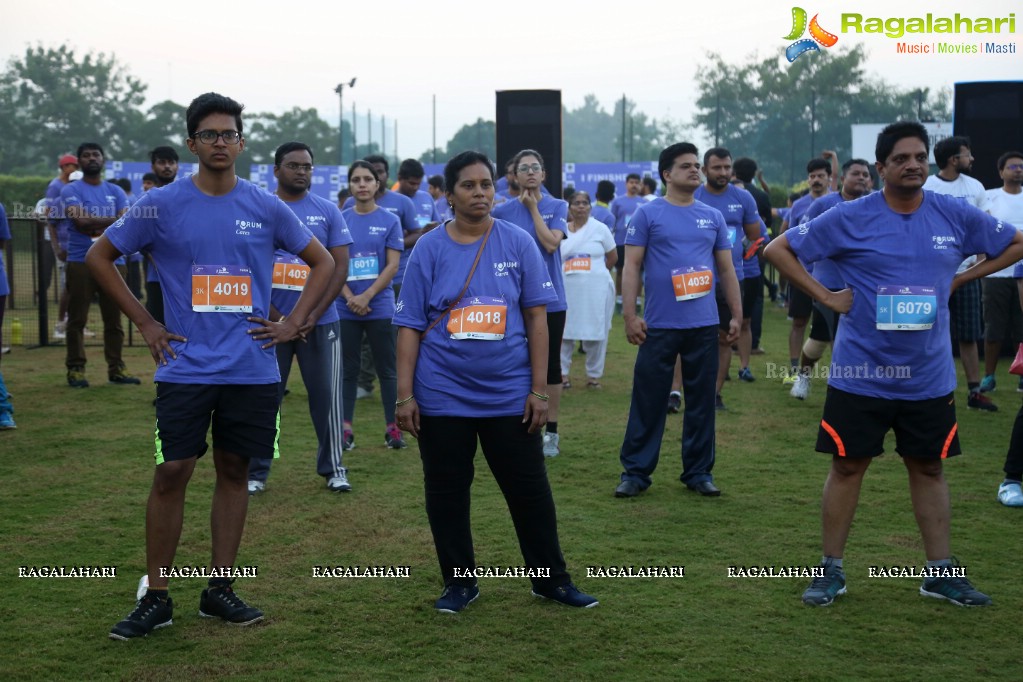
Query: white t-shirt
point(964, 187)
point(1008, 208)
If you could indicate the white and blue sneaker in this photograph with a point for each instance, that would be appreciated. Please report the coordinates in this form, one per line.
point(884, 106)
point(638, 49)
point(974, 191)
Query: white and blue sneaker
point(1010, 493)
point(550, 445)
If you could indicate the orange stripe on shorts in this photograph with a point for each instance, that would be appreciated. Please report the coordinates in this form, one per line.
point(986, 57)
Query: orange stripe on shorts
point(838, 441)
point(948, 441)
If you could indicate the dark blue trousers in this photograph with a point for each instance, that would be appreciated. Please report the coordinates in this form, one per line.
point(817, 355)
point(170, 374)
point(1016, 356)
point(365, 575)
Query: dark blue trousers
point(651, 384)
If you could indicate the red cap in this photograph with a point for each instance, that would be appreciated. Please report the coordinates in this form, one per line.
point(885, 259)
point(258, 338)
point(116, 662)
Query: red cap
point(66, 159)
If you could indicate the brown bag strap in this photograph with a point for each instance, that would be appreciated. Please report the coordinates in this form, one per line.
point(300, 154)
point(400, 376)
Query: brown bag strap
point(465, 287)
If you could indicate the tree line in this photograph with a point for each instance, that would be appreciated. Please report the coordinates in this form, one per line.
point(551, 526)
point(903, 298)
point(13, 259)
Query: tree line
point(781, 114)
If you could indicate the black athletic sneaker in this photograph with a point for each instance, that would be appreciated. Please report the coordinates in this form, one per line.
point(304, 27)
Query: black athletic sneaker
point(223, 603)
point(150, 613)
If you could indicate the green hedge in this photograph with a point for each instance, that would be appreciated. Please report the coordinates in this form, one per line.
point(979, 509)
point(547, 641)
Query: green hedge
point(19, 194)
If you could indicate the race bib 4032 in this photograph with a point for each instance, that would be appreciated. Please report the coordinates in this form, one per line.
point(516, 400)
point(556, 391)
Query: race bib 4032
point(692, 282)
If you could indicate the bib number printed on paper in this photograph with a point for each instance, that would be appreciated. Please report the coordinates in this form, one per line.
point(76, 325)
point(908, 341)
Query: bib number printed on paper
point(904, 308)
point(481, 318)
point(221, 289)
point(576, 264)
point(290, 273)
point(363, 265)
point(690, 283)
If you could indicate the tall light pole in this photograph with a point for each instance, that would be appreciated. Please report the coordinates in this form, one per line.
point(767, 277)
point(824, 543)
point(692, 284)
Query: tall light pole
point(340, 90)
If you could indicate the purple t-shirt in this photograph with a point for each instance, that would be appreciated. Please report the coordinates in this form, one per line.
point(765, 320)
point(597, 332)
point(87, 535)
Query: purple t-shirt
point(554, 213)
point(739, 208)
point(679, 241)
point(914, 257)
point(401, 206)
point(751, 267)
point(442, 208)
point(183, 229)
point(623, 208)
point(372, 234)
point(323, 218)
point(459, 377)
point(104, 200)
point(800, 206)
point(825, 271)
point(604, 215)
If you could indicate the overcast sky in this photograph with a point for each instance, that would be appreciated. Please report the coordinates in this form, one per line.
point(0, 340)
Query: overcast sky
point(273, 56)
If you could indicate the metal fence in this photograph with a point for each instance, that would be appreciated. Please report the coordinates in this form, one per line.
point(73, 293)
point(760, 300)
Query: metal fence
point(32, 305)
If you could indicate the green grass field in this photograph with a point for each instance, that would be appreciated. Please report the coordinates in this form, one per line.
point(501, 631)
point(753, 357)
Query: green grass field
point(74, 479)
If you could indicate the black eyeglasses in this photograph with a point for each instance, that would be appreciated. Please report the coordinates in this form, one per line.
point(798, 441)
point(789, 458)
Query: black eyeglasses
point(210, 136)
point(1014, 166)
point(291, 166)
point(527, 167)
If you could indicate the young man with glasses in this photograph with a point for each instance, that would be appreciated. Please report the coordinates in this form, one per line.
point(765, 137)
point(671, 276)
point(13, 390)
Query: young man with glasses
point(213, 238)
point(953, 158)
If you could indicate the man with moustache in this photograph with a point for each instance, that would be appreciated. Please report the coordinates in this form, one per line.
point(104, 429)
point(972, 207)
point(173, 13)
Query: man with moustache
point(319, 352)
point(895, 319)
point(855, 184)
point(818, 177)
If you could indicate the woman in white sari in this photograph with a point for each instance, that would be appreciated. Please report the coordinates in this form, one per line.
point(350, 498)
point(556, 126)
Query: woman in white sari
point(587, 254)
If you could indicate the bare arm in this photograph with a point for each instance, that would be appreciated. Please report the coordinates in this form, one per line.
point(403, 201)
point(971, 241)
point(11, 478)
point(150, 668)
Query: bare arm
point(730, 284)
point(100, 260)
point(407, 415)
point(985, 266)
point(535, 411)
point(752, 231)
point(779, 254)
point(611, 258)
point(333, 290)
point(833, 158)
point(549, 239)
point(321, 266)
point(635, 327)
point(91, 226)
point(411, 238)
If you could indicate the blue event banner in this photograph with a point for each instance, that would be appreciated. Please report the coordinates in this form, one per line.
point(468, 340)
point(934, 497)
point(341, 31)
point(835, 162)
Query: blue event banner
point(329, 180)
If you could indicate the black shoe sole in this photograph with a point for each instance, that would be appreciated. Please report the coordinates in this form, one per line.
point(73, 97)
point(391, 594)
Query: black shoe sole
point(122, 638)
point(232, 622)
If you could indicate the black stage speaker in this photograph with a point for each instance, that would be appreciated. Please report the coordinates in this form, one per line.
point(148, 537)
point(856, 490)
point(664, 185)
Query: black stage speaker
point(530, 119)
point(990, 113)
